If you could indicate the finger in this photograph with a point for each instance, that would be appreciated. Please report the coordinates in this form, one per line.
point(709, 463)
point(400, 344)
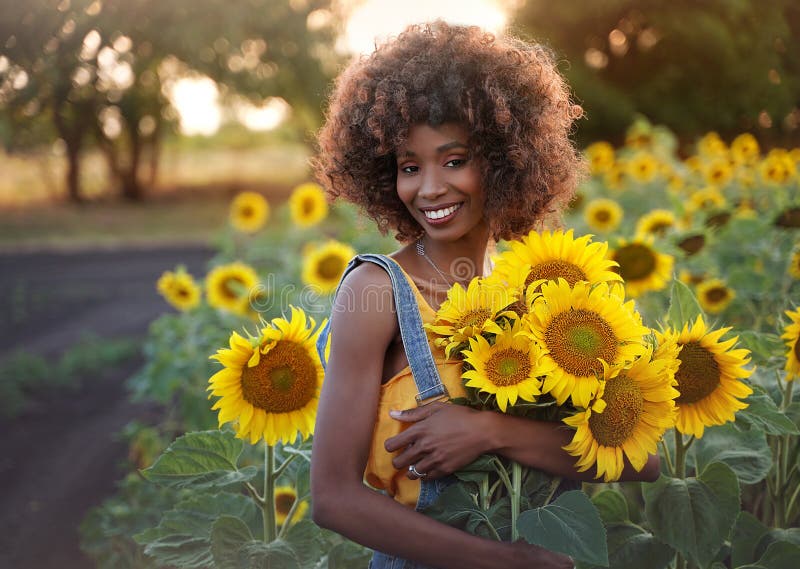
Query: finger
point(415, 413)
point(411, 455)
point(399, 441)
point(425, 466)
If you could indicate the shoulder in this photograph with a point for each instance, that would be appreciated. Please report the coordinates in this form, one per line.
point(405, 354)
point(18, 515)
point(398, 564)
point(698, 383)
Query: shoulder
point(365, 302)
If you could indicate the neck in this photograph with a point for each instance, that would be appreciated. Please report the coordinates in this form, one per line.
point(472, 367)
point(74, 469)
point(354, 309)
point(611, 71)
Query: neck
point(462, 259)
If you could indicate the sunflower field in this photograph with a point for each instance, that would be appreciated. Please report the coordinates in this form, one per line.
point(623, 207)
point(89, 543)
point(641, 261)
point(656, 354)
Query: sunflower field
point(664, 318)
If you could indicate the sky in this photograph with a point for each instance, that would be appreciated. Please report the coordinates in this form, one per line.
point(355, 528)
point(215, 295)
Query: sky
point(196, 99)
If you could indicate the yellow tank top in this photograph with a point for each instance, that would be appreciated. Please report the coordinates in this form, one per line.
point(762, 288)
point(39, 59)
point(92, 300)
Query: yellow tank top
point(399, 393)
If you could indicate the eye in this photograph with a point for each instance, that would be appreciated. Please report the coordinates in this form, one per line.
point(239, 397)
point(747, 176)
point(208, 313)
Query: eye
point(455, 162)
point(409, 169)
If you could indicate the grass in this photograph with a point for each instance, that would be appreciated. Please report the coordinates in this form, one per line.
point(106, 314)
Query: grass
point(23, 375)
point(189, 203)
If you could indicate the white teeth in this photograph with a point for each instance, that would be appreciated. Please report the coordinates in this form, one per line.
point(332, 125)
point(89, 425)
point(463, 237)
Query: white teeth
point(440, 213)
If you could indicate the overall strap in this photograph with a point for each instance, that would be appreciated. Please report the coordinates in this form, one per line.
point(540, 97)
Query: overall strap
point(415, 341)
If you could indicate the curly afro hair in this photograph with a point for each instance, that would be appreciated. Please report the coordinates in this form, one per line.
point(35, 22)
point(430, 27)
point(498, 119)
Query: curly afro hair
point(506, 92)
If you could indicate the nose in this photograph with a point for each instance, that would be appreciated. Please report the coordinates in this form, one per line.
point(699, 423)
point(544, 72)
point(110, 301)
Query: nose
point(432, 186)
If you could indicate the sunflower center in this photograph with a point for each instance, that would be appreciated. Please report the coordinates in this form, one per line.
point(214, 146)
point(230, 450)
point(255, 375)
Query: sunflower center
point(624, 406)
point(698, 375)
point(330, 267)
point(474, 318)
point(797, 349)
point(692, 244)
point(554, 269)
point(308, 206)
point(246, 211)
point(284, 380)
point(636, 261)
point(508, 367)
point(182, 292)
point(660, 227)
point(602, 215)
point(231, 287)
point(576, 339)
point(717, 294)
point(284, 502)
point(789, 218)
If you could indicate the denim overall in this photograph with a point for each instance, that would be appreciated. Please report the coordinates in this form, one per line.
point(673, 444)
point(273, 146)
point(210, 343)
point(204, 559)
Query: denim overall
point(423, 368)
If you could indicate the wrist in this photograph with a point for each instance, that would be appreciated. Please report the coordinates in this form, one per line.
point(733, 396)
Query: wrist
point(491, 427)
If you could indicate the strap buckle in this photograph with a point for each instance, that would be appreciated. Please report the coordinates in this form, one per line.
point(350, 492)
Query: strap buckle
point(423, 399)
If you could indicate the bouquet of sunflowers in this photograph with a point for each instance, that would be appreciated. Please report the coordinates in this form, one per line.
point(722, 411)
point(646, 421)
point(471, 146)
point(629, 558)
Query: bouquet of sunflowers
point(550, 336)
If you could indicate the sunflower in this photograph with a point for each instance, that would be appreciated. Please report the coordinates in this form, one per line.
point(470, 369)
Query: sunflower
point(603, 214)
point(695, 165)
point(789, 218)
point(792, 336)
point(718, 173)
point(324, 265)
point(553, 255)
point(179, 289)
point(688, 277)
point(643, 167)
point(656, 222)
point(514, 276)
point(249, 212)
point(706, 198)
point(307, 205)
point(744, 149)
point(229, 287)
point(508, 369)
point(692, 244)
point(675, 182)
point(468, 313)
point(714, 296)
point(794, 265)
point(285, 497)
point(614, 178)
point(775, 170)
point(636, 407)
point(579, 326)
point(600, 156)
point(708, 377)
point(642, 267)
point(711, 145)
point(270, 384)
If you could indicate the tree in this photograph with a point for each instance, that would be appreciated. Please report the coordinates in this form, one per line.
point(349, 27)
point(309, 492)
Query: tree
point(725, 65)
point(98, 69)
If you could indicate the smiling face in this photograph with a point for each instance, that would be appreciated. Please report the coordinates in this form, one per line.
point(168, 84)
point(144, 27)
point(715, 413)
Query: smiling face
point(440, 182)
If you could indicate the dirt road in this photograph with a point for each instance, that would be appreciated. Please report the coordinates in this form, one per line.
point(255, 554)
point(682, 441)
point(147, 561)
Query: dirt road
point(61, 457)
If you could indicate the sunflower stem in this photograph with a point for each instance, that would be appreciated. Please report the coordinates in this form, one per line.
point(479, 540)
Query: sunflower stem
point(283, 466)
point(516, 482)
point(254, 494)
point(680, 455)
point(667, 457)
point(503, 473)
point(268, 507)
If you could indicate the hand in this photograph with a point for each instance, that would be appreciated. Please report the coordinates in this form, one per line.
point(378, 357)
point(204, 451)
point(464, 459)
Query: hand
point(526, 556)
point(442, 439)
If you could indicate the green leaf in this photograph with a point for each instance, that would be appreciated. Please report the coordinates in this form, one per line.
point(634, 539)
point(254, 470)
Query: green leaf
point(779, 555)
point(206, 459)
point(348, 555)
point(183, 537)
point(612, 506)
point(570, 525)
point(630, 546)
point(763, 414)
point(747, 533)
point(458, 508)
point(304, 538)
point(761, 344)
point(694, 515)
point(683, 306)
point(274, 555)
point(746, 452)
point(228, 535)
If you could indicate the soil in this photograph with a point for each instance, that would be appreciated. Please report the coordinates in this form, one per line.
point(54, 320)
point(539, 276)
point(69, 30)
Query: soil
point(62, 457)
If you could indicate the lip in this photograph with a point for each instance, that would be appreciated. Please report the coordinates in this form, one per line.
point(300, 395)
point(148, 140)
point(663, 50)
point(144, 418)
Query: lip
point(439, 206)
point(445, 219)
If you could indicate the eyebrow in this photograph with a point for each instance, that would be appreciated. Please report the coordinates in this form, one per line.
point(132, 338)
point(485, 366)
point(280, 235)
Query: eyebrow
point(443, 148)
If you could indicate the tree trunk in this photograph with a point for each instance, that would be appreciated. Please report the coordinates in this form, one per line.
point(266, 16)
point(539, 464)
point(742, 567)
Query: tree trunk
point(73, 173)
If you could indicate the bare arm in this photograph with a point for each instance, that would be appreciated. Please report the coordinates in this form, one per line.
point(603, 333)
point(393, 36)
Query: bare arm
point(447, 437)
point(345, 420)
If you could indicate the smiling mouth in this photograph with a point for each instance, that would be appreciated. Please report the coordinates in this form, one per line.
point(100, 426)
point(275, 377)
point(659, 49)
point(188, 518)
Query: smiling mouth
point(435, 214)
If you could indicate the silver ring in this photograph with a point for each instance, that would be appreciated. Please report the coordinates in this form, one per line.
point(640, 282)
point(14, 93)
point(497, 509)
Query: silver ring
point(413, 470)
